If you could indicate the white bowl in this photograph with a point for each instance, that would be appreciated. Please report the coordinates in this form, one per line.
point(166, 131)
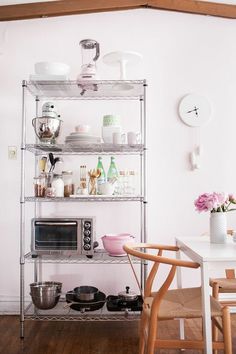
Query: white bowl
point(51, 68)
point(107, 188)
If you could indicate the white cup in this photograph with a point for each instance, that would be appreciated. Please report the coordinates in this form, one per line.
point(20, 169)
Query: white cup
point(133, 138)
point(82, 128)
point(118, 138)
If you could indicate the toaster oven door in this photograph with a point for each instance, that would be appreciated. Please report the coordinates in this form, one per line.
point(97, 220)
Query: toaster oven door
point(56, 235)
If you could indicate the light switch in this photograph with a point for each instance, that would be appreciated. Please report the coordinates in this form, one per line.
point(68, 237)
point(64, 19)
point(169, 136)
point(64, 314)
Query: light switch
point(12, 152)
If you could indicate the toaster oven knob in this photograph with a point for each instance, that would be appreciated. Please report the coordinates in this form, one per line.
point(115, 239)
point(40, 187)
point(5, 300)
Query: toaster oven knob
point(87, 240)
point(87, 225)
point(87, 232)
point(87, 247)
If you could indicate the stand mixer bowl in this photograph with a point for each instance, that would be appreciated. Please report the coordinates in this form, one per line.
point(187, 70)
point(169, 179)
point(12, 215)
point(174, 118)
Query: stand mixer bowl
point(47, 129)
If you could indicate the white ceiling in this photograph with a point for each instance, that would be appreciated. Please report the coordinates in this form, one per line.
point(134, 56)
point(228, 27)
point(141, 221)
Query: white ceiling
point(11, 2)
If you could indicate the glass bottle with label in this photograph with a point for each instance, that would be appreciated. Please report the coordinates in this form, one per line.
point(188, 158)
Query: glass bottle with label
point(113, 175)
point(102, 178)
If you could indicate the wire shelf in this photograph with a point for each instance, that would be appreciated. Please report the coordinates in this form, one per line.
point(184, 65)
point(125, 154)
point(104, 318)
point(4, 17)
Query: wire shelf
point(86, 149)
point(100, 256)
point(87, 90)
point(59, 313)
point(86, 198)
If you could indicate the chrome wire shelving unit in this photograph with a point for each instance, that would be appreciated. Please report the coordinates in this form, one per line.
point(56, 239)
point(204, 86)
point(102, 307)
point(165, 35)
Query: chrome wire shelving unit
point(86, 198)
point(60, 313)
point(86, 149)
point(100, 256)
point(75, 90)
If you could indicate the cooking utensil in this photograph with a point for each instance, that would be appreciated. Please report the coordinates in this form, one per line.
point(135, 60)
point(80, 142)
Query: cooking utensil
point(127, 295)
point(42, 164)
point(85, 293)
point(113, 243)
point(82, 303)
point(99, 301)
point(45, 295)
point(93, 175)
point(47, 129)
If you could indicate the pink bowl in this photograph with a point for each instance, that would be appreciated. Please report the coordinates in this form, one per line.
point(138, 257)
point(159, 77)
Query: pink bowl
point(113, 243)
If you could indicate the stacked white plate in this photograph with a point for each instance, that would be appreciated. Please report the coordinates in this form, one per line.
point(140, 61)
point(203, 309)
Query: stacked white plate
point(82, 138)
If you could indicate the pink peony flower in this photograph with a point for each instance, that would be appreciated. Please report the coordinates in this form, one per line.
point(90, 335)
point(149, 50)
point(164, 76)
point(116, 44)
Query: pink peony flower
point(214, 202)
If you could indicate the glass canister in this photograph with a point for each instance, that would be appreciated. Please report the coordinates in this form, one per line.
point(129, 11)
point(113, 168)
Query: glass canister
point(58, 185)
point(39, 186)
point(67, 177)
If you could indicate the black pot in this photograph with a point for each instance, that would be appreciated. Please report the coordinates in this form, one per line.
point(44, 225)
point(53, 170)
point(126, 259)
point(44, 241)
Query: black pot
point(85, 293)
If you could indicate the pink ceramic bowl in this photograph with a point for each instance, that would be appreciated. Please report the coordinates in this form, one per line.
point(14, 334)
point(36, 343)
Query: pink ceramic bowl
point(113, 243)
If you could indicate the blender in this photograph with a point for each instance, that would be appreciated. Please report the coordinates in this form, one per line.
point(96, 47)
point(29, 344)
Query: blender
point(90, 50)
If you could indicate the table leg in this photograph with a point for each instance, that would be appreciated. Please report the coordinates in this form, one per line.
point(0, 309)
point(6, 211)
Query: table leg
point(206, 308)
point(179, 286)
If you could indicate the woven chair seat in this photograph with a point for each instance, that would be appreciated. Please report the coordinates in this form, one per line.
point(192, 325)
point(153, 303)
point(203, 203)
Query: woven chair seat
point(225, 285)
point(182, 303)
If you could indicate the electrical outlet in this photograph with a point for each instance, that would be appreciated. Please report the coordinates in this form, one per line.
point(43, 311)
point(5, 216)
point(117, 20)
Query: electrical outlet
point(12, 152)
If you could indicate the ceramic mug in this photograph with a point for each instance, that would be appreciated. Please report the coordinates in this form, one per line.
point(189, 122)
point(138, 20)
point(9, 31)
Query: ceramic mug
point(118, 138)
point(82, 128)
point(133, 138)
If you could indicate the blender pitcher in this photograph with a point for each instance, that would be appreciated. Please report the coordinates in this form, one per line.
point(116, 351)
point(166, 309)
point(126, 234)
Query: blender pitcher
point(90, 50)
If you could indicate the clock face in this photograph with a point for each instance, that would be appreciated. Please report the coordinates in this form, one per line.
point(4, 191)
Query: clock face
point(194, 110)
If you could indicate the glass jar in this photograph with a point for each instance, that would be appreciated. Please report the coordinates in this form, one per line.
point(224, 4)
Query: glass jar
point(67, 177)
point(58, 185)
point(39, 186)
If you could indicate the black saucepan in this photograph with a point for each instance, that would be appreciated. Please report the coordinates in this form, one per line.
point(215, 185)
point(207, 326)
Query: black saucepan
point(85, 293)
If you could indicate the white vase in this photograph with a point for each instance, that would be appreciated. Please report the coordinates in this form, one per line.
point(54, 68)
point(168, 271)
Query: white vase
point(218, 227)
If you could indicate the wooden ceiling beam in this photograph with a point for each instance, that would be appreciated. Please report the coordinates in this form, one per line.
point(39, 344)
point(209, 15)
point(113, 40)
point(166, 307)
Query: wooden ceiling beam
point(70, 7)
point(195, 7)
point(63, 8)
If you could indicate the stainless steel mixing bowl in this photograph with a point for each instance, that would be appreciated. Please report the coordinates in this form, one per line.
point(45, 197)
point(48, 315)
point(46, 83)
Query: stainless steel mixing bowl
point(45, 295)
point(47, 129)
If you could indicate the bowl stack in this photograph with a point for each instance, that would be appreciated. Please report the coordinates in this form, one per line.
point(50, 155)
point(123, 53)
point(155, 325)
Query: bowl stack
point(45, 295)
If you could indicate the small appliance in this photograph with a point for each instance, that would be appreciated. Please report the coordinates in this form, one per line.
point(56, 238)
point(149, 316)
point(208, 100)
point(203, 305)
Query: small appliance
point(90, 50)
point(66, 236)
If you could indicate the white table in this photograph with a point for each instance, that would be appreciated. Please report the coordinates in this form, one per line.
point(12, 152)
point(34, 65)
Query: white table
point(208, 255)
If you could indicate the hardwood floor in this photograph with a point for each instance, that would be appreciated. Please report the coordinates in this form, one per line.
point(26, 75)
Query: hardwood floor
point(85, 337)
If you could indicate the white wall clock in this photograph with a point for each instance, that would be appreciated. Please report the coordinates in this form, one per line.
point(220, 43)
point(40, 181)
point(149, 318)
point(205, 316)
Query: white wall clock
point(194, 110)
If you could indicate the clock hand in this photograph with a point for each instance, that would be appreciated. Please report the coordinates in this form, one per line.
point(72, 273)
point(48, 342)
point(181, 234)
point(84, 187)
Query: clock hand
point(194, 110)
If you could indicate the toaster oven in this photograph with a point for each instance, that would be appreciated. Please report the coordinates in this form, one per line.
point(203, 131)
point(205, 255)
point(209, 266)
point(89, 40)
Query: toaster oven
point(67, 236)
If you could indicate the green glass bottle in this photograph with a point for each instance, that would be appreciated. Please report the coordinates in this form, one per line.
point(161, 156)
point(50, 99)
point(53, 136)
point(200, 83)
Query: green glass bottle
point(102, 178)
point(112, 175)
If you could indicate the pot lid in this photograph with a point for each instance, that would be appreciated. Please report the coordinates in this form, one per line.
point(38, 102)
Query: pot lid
point(127, 294)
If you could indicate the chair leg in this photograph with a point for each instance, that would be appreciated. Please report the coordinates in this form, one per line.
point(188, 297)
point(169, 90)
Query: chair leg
point(215, 291)
point(214, 336)
point(215, 294)
point(143, 326)
point(227, 330)
point(152, 333)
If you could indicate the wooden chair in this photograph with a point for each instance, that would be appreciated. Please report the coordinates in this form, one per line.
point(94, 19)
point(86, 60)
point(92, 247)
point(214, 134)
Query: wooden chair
point(168, 304)
point(225, 285)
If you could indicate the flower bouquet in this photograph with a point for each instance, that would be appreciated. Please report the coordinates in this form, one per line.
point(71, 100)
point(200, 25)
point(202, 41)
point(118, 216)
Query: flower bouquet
point(215, 202)
point(218, 204)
